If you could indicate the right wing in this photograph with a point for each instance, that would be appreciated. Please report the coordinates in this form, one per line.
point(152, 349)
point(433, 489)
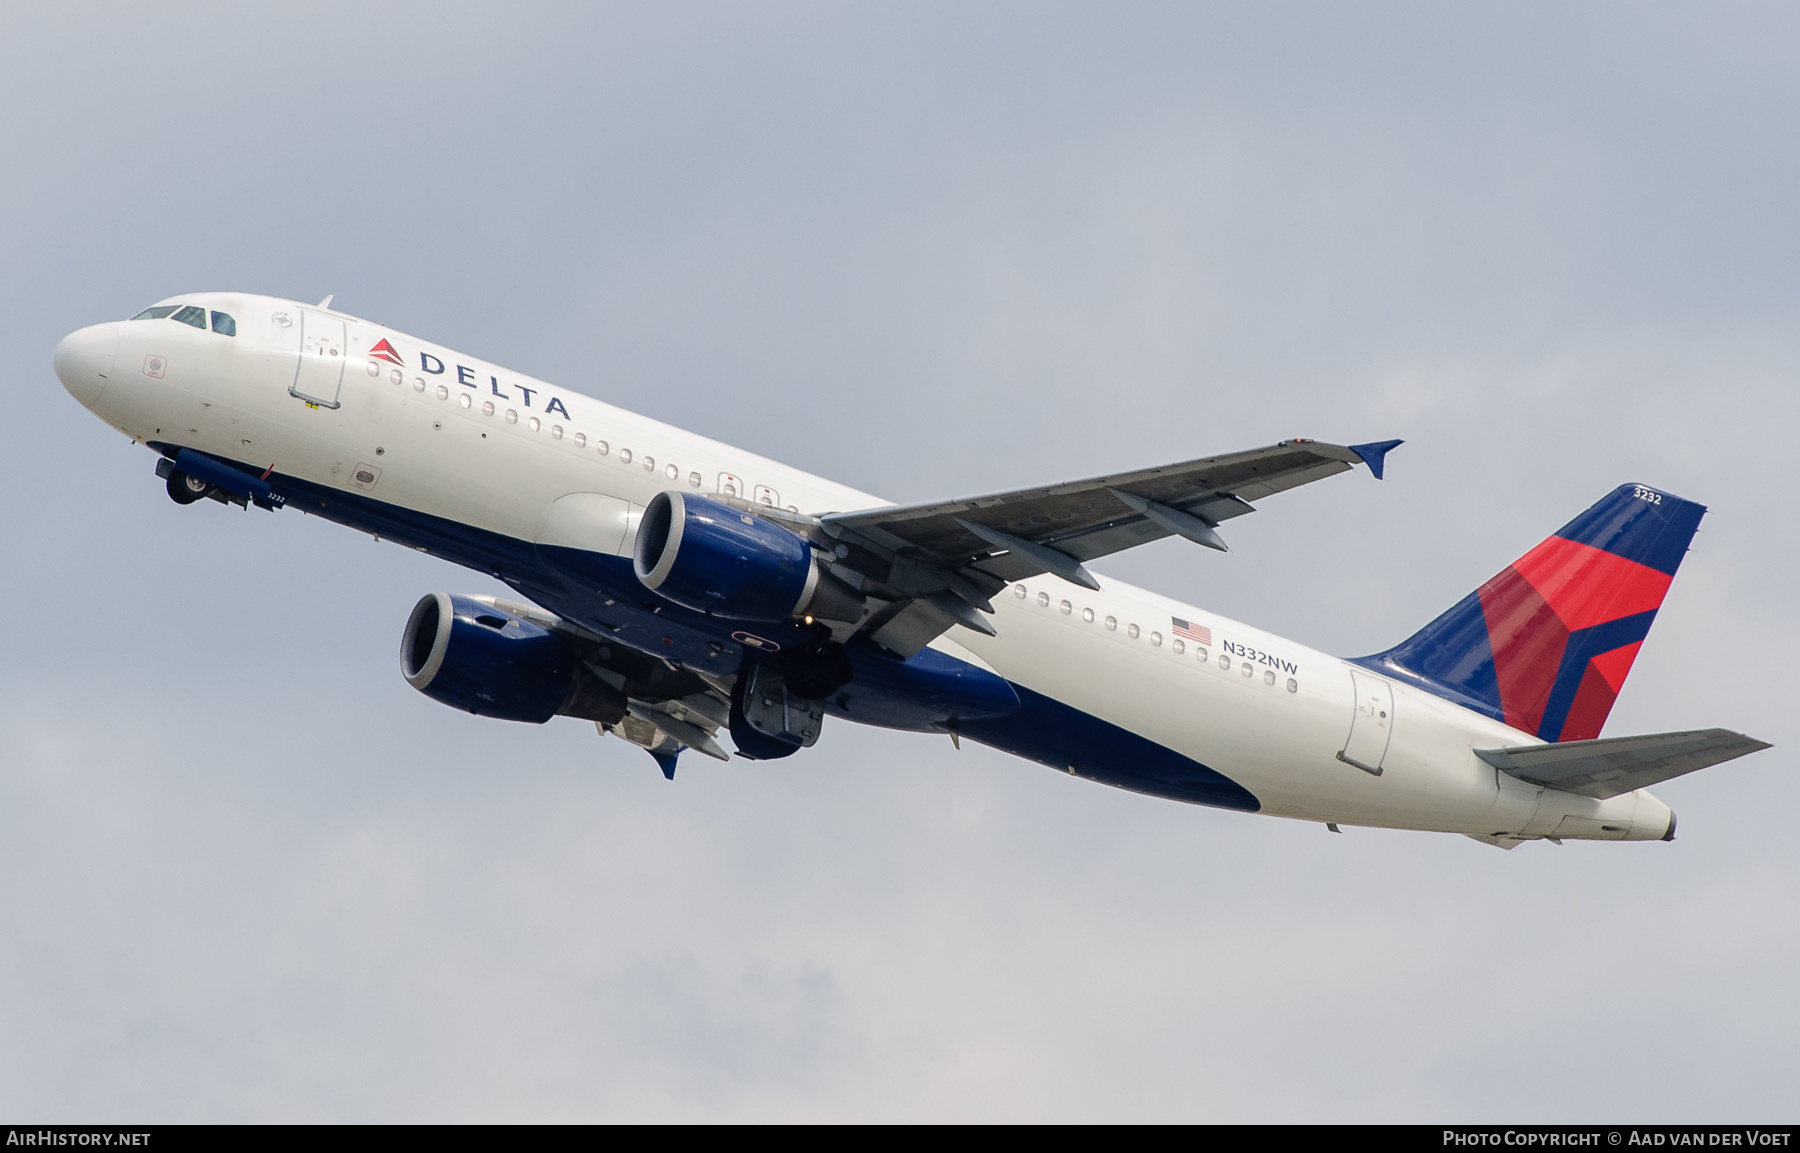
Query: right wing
point(929, 566)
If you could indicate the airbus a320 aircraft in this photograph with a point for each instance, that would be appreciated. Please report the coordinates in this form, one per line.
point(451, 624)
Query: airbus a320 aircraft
point(673, 587)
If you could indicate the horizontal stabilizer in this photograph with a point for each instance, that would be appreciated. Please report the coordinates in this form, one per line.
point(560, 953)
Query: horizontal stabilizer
point(1615, 765)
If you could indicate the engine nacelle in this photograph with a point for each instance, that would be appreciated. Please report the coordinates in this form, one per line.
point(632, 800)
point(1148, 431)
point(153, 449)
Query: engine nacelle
point(706, 555)
point(484, 660)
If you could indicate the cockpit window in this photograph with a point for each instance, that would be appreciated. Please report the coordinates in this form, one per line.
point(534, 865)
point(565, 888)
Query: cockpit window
point(193, 314)
point(156, 313)
point(223, 324)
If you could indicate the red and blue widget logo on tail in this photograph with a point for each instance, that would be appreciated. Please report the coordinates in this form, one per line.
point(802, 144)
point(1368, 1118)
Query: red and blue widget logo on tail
point(1545, 646)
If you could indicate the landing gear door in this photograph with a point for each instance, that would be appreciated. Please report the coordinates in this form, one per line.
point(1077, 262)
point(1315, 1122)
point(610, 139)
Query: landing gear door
point(321, 371)
point(1371, 724)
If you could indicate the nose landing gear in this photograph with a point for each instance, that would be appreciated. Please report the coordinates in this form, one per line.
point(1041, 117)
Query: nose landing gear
point(185, 489)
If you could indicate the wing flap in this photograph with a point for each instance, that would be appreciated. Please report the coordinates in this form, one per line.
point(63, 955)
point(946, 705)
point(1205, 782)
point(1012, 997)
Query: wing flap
point(1615, 765)
point(1110, 537)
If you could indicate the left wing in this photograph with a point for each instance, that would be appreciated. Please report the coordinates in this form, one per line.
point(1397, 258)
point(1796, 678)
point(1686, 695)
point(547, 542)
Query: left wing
point(660, 707)
point(930, 566)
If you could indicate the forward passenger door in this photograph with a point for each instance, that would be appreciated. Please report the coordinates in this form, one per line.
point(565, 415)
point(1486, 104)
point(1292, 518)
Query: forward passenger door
point(321, 371)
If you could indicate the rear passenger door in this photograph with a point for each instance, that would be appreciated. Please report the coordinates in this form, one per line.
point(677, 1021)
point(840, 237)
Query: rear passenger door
point(1371, 724)
point(321, 371)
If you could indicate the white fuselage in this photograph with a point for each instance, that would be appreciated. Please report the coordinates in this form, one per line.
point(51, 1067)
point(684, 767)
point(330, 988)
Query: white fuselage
point(436, 435)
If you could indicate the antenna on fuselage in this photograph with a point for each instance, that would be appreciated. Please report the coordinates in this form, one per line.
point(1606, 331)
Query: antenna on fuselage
point(326, 303)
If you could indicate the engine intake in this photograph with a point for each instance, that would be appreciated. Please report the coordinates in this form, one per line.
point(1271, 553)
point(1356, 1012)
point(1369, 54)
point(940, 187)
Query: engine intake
point(493, 663)
point(707, 555)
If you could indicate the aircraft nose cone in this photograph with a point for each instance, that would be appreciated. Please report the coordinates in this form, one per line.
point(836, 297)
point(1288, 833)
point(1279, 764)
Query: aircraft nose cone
point(84, 359)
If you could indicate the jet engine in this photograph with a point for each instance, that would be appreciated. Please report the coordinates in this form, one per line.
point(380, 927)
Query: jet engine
point(707, 555)
point(484, 660)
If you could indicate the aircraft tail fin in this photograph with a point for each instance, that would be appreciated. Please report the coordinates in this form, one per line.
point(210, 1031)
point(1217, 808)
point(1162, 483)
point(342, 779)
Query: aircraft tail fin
point(1545, 646)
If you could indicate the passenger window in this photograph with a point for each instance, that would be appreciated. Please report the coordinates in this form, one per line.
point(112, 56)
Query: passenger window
point(193, 314)
point(156, 313)
point(223, 324)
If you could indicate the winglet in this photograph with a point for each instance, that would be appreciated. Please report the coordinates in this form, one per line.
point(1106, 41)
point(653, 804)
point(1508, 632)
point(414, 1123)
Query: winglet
point(666, 762)
point(1375, 454)
point(326, 303)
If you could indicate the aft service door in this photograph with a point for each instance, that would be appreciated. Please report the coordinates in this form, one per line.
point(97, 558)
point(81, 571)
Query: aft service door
point(321, 370)
point(1371, 724)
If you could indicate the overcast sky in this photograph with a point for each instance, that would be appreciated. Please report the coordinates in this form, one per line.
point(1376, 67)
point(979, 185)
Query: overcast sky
point(247, 873)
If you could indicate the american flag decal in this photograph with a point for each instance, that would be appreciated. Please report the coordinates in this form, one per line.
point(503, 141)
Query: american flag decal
point(1199, 633)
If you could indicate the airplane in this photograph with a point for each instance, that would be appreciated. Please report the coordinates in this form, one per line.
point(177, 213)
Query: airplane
point(673, 588)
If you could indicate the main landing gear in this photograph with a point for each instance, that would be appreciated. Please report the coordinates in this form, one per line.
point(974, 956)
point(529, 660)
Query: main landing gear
point(778, 705)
